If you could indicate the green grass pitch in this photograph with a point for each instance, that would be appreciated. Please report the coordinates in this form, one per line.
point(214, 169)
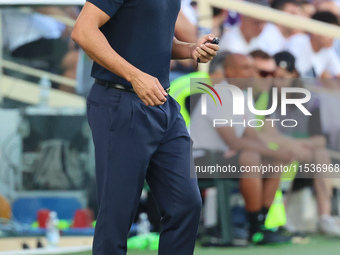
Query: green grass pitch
point(316, 246)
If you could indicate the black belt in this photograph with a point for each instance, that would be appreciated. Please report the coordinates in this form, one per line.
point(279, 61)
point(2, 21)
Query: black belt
point(119, 86)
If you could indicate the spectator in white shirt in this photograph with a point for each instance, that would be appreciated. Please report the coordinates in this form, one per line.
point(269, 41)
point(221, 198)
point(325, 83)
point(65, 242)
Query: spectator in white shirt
point(243, 38)
point(274, 36)
point(315, 54)
point(334, 8)
point(41, 41)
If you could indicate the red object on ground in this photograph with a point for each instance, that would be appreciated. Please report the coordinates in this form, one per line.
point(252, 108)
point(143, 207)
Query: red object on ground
point(42, 217)
point(83, 218)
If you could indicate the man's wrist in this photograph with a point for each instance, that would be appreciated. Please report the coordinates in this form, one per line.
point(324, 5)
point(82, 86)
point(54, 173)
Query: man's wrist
point(191, 47)
point(132, 74)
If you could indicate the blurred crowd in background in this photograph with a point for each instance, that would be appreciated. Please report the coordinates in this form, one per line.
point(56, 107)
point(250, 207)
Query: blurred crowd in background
point(276, 56)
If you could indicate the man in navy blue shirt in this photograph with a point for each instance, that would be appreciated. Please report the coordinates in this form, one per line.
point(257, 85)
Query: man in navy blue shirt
point(137, 129)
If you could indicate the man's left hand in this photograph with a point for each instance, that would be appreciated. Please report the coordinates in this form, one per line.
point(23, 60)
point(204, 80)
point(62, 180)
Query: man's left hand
point(205, 50)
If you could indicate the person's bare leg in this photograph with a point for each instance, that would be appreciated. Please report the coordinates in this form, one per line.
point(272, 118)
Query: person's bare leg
point(323, 186)
point(326, 223)
point(271, 183)
point(270, 187)
point(251, 188)
point(258, 192)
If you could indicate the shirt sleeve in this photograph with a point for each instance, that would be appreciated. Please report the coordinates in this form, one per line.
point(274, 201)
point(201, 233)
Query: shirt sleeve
point(110, 7)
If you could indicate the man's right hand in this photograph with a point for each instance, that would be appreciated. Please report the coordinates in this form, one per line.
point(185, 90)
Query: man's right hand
point(148, 89)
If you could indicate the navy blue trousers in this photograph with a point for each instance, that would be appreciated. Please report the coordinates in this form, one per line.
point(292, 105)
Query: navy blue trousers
point(134, 142)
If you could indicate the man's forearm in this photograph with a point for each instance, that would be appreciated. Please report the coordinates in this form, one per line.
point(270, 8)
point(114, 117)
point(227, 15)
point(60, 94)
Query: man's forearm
point(182, 50)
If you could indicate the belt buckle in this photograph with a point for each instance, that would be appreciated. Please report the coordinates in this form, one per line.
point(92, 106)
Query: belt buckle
point(118, 86)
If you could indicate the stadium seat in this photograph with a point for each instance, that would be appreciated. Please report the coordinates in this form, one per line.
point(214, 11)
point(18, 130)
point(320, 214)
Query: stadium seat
point(25, 209)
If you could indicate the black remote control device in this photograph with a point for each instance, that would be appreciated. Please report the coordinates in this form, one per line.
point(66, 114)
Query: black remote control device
point(215, 41)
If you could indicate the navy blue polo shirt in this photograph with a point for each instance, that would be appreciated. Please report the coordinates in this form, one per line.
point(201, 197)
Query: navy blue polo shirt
point(141, 31)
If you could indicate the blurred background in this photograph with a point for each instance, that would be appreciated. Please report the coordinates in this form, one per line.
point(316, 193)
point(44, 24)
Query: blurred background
point(47, 169)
